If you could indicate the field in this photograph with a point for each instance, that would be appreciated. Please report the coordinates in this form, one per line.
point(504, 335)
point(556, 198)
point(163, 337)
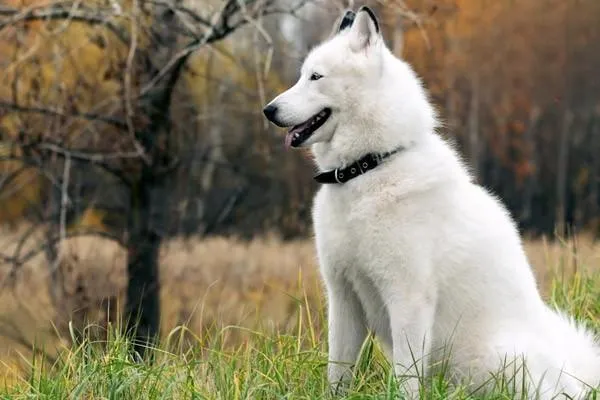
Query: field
point(240, 320)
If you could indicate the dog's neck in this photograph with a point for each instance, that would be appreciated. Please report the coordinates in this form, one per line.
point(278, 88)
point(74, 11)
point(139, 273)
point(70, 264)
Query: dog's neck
point(358, 137)
point(386, 122)
point(329, 156)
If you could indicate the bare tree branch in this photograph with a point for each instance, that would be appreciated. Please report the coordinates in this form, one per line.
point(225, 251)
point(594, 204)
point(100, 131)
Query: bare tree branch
point(95, 158)
point(62, 12)
point(220, 27)
point(87, 155)
point(179, 8)
point(58, 113)
point(18, 261)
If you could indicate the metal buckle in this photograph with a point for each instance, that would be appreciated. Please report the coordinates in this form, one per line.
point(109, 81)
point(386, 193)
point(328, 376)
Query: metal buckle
point(335, 175)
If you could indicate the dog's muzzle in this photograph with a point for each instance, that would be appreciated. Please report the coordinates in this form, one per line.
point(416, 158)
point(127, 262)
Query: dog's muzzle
point(270, 112)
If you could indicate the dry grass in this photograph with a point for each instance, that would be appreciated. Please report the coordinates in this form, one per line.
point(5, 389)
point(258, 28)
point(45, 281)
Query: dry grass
point(562, 258)
point(206, 284)
point(220, 282)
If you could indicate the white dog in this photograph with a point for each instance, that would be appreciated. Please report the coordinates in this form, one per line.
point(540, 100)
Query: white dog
point(409, 247)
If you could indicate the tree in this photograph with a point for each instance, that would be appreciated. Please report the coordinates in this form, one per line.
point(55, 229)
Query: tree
point(89, 92)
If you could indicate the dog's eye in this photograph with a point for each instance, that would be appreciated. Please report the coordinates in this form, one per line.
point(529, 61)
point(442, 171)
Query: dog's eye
point(315, 76)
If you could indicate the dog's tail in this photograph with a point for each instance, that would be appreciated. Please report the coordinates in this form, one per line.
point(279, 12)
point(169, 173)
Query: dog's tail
point(581, 347)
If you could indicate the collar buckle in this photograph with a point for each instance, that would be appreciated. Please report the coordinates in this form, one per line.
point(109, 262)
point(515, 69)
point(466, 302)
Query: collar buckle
point(335, 175)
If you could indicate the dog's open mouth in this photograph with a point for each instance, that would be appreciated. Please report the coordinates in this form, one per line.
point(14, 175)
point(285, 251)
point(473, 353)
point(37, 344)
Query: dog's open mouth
point(299, 133)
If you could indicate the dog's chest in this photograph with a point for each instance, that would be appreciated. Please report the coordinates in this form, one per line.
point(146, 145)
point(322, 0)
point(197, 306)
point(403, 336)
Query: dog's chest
point(346, 228)
point(347, 245)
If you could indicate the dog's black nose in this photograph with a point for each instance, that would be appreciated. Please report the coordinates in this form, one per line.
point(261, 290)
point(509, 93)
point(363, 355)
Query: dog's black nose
point(270, 110)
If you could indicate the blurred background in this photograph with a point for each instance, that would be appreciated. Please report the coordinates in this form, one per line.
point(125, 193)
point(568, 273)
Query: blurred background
point(138, 176)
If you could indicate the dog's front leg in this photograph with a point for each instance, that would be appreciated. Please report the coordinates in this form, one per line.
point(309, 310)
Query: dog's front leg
point(411, 319)
point(347, 331)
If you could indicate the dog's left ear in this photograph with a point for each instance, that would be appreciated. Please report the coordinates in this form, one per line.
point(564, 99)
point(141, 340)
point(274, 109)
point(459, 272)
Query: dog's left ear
point(365, 30)
point(343, 23)
point(347, 20)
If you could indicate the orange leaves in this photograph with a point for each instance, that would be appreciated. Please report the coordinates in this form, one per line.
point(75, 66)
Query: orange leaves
point(64, 66)
point(529, 57)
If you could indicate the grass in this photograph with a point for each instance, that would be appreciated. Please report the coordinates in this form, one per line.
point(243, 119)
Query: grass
point(241, 320)
point(264, 366)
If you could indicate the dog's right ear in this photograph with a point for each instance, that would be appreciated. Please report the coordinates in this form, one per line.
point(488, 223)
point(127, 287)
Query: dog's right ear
point(344, 22)
point(365, 30)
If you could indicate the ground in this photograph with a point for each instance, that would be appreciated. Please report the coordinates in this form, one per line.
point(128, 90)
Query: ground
point(240, 320)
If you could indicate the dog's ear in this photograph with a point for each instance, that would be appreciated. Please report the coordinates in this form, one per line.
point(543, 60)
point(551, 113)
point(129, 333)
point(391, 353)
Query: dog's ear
point(343, 23)
point(365, 29)
point(347, 20)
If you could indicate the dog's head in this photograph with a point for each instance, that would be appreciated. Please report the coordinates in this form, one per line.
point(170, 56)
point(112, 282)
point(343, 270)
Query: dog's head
point(332, 82)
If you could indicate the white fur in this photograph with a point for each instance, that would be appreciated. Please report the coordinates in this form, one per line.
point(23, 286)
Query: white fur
point(414, 250)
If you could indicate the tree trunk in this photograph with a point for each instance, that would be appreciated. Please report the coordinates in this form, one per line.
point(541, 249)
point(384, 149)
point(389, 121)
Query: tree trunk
point(146, 211)
point(561, 173)
point(532, 180)
point(142, 309)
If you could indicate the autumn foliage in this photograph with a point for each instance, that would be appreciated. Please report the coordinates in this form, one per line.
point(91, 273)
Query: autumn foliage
point(138, 123)
point(516, 84)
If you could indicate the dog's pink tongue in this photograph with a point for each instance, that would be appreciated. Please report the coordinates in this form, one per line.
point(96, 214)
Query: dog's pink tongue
point(290, 135)
point(288, 139)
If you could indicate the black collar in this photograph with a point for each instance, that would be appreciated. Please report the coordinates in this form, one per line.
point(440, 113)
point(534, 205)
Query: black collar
point(366, 163)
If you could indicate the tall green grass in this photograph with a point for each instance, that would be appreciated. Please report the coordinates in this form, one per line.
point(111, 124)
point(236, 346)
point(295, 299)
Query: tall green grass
point(265, 365)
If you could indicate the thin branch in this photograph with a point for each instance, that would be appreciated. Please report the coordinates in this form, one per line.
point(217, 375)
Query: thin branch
point(57, 113)
point(219, 28)
point(98, 159)
point(64, 198)
point(62, 225)
point(129, 111)
point(87, 155)
point(226, 210)
point(17, 262)
point(33, 164)
point(95, 158)
point(183, 10)
point(89, 16)
point(178, 59)
point(24, 238)
point(9, 178)
point(18, 186)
